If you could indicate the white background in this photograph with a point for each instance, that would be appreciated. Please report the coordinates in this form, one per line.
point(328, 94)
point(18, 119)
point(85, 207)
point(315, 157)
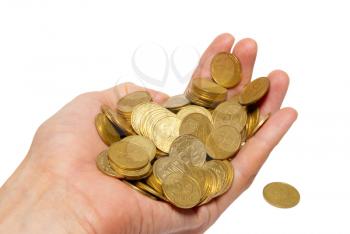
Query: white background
point(50, 51)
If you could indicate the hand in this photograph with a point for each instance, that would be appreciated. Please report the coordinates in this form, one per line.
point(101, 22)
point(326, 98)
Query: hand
point(57, 188)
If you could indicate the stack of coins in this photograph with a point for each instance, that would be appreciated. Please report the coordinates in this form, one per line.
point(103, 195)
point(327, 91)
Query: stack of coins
point(204, 92)
point(179, 152)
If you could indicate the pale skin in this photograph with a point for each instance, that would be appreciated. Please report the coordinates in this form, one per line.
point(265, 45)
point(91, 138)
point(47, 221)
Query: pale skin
point(58, 189)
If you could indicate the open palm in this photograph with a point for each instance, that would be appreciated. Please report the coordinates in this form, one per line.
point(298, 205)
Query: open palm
point(65, 148)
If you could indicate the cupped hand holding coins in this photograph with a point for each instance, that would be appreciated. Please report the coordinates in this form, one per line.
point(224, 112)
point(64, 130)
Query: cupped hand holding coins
point(170, 164)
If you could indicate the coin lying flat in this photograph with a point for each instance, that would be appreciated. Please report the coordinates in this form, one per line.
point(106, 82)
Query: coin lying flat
point(106, 129)
point(176, 102)
point(254, 91)
point(281, 195)
point(226, 70)
point(128, 156)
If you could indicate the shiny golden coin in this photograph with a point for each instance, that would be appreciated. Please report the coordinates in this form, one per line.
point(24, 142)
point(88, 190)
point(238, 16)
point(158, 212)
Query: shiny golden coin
point(176, 102)
point(129, 156)
point(189, 149)
point(281, 195)
point(104, 166)
point(254, 91)
point(143, 142)
point(262, 121)
point(230, 113)
point(221, 172)
point(197, 125)
point(137, 115)
point(129, 101)
point(182, 190)
point(194, 109)
point(163, 167)
point(106, 129)
point(226, 70)
point(154, 183)
point(223, 142)
point(139, 190)
point(165, 132)
point(118, 120)
point(252, 121)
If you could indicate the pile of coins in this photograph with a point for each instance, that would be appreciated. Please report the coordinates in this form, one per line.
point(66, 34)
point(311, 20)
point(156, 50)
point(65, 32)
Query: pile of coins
point(180, 151)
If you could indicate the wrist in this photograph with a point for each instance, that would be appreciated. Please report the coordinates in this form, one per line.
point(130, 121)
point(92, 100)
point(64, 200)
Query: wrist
point(35, 201)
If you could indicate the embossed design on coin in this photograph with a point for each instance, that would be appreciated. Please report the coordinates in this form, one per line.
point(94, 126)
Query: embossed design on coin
point(189, 149)
point(223, 142)
point(197, 125)
point(230, 113)
point(182, 190)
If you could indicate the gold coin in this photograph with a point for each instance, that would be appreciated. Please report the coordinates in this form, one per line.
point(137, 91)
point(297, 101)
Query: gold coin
point(204, 92)
point(252, 121)
point(262, 121)
point(138, 114)
point(104, 166)
point(153, 181)
point(182, 190)
point(136, 174)
point(197, 125)
point(149, 189)
point(129, 156)
point(281, 195)
point(230, 113)
point(143, 142)
point(160, 154)
point(176, 102)
point(140, 190)
point(118, 120)
point(226, 70)
point(106, 129)
point(254, 91)
point(194, 109)
point(129, 101)
point(163, 167)
point(209, 88)
point(234, 99)
point(189, 149)
point(223, 142)
point(165, 132)
point(221, 175)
